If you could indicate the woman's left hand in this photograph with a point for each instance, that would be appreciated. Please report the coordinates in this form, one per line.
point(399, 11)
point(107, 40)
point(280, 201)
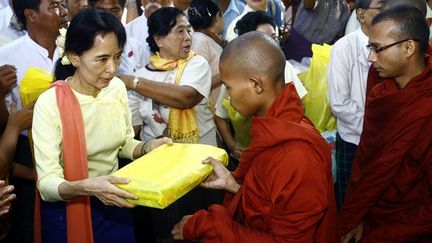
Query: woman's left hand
point(152, 144)
point(177, 231)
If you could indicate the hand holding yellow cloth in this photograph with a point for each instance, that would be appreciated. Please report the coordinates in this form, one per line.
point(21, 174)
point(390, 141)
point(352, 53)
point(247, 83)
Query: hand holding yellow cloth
point(167, 173)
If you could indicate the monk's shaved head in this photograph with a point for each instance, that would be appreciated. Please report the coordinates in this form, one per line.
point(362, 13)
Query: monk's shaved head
point(255, 54)
point(419, 4)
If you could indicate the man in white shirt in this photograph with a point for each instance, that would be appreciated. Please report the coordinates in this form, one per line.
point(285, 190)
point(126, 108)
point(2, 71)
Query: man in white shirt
point(347, 79)
point(132, 57)
point(42, 19)
point(138, 28)
point(250, 7)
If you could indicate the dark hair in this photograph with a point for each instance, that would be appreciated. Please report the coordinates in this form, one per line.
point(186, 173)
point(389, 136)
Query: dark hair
point(410, 24)
point(93, 2)
point(20, 5)
point(202, 13)
point(363, 4)
point(81, 34)
point(252, 20)
point(419, 4)
point(160, 23)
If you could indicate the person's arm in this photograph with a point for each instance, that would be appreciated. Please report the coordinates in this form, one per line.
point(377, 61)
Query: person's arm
point(343, 107)
point(8, 78)
point(309, 4)
point(223, 126)
point(23, 172)
point(176, 96)
point(224, 129)
point(298, 194)
point(18, 121)
point(194, 85)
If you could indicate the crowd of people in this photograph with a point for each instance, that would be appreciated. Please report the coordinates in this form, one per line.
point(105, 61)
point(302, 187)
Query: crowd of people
point(132, 75)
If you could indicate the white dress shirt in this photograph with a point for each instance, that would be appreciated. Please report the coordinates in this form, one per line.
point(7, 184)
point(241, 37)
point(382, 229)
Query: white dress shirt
point(154, 117)
point(230, 32)
point(133, 57)
point(138, 30)
point(5, 16)
point(24, 53)
point(347, 78)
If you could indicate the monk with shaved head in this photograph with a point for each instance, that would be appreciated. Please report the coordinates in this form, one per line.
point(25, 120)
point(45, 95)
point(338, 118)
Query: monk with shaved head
point(282, 190)
point(389, 197)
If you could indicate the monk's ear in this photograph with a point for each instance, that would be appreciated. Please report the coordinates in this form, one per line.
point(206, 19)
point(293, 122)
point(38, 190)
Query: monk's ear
point(410, 48)
point(257, 85)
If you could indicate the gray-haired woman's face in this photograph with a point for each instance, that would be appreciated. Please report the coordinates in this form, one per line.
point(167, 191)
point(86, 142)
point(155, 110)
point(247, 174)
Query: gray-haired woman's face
point(177, 44)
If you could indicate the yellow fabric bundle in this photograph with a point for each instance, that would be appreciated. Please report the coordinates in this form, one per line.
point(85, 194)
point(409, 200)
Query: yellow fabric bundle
point(35, 82)
point(167, 173)
point(316, 102)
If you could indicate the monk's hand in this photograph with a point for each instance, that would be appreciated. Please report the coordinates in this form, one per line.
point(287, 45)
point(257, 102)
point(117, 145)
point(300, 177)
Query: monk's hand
point(177, 231)
point(221, 177)
point(6, 196)
point(355, 234)
point(152, 144)
point(104, 189)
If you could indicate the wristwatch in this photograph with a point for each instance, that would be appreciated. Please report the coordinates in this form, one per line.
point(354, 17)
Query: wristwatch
point(135, 82)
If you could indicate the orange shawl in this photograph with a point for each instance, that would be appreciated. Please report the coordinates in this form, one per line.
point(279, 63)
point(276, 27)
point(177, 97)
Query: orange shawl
point(78, 214)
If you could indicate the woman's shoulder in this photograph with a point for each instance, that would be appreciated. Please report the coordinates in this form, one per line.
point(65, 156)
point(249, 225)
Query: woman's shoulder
point(48, 96)
point(115, 87)
point(198, 60)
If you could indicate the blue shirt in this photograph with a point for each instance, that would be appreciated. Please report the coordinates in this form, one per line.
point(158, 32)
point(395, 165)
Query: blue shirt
point(235, 8)
point(275, 9)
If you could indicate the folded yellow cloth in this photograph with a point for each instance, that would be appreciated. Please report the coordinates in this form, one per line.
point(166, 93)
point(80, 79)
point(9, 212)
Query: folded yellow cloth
point(35, 82)
point(167, 173)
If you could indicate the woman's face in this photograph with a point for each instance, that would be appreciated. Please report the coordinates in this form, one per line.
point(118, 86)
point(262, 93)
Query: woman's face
point(257, 4)
point(97, 66)
point(177, 44)
point(219, 23)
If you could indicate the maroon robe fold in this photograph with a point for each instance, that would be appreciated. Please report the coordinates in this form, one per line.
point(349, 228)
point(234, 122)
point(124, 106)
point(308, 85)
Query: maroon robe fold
point(286, 194)
point(390, 189)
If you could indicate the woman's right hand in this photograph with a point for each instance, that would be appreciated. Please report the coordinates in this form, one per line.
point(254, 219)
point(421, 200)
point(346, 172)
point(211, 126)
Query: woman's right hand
point(104, 189)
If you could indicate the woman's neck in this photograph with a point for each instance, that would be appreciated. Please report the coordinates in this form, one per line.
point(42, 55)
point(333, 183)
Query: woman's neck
point(215, 36)
point(81, 86)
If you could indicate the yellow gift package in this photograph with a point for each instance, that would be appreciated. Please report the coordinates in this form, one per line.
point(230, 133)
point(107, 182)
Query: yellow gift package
point(167, 173)
point(35, 82)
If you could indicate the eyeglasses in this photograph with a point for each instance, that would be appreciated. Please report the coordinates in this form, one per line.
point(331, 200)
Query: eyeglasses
point(377, 49)
point(376, 8)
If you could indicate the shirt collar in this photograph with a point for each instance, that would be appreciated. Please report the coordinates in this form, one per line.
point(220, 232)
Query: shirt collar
point(363, 41)
point(41, 50)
